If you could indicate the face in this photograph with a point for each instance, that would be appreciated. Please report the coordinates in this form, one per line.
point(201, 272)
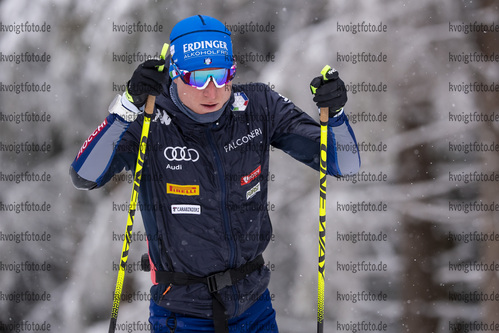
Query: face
point(205, 100)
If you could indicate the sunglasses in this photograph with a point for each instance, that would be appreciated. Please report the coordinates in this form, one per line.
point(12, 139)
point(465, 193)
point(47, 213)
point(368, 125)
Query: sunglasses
point(201, 78)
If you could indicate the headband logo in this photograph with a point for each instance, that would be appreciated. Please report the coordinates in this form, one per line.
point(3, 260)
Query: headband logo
point(206, 44)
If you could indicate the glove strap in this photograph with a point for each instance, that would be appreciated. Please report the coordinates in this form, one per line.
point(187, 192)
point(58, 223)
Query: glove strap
point(335, 113)
point(137, 100)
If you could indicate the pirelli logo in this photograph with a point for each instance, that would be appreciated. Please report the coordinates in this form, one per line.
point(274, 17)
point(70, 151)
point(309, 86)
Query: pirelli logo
point(182, 189)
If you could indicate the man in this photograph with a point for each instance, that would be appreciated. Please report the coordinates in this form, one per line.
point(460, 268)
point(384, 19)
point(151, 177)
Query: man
point(205, 176)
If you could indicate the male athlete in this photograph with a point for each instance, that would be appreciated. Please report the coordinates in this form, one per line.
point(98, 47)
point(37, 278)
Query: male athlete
point(205, 176)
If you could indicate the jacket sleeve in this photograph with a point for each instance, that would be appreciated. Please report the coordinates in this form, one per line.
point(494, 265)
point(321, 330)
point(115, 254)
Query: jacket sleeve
point(297, 134)
point(111, 148)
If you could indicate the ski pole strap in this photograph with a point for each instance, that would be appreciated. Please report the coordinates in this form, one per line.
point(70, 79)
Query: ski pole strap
point(215, 282)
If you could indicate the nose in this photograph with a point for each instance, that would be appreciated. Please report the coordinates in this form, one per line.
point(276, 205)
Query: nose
point(211, 90)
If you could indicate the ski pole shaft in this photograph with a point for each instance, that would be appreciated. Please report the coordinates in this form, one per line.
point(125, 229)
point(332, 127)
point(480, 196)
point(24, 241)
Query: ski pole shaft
point(131, 211)
point(148, 113)
point(324, 119)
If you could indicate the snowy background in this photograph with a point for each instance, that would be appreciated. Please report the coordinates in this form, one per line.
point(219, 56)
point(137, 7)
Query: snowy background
point(420, 175)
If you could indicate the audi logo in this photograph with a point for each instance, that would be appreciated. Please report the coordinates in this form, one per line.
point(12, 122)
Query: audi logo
point(181, 154)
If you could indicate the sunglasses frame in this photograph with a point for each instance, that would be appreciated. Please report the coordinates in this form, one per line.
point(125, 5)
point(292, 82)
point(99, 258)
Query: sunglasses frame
point(230, 73)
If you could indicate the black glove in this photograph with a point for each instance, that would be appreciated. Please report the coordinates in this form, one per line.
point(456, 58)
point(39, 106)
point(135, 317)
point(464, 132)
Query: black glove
point(329, 92)
point(146, 80)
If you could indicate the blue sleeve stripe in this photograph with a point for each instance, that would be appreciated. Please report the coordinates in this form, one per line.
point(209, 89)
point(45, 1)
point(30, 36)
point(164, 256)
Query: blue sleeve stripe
point(97, 154)
point(332, 159)
point(343, 155)
point(99, 180)
point(90, 142)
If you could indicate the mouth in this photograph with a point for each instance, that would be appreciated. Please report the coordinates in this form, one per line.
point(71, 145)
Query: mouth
point(210, 106)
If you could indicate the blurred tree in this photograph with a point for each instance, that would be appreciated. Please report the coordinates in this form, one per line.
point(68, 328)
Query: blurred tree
point(487, 104)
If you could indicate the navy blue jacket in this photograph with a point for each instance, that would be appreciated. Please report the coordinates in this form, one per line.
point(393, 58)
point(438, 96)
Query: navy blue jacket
point(204, 190)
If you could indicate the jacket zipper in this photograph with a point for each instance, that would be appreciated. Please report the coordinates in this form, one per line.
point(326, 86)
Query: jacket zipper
point(223, 204)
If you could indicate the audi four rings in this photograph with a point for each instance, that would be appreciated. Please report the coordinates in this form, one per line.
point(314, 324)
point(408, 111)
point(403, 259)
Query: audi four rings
point(181, 154)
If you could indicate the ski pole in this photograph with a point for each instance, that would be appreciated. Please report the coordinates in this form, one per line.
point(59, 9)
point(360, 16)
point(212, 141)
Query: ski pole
point(324, 118)
point(149, 110)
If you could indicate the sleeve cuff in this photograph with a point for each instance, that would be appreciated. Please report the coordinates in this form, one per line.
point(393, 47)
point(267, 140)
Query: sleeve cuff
point(338, 119)
point(122, 107)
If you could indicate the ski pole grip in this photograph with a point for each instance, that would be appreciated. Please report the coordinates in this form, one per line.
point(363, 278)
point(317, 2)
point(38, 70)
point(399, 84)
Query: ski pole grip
point(151, 100)
point(324, 115)
point(327, 74)
point(164, 50)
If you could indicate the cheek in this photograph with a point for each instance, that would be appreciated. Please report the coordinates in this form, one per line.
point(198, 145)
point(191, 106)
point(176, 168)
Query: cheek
point(181, 87)
point(187, 94)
